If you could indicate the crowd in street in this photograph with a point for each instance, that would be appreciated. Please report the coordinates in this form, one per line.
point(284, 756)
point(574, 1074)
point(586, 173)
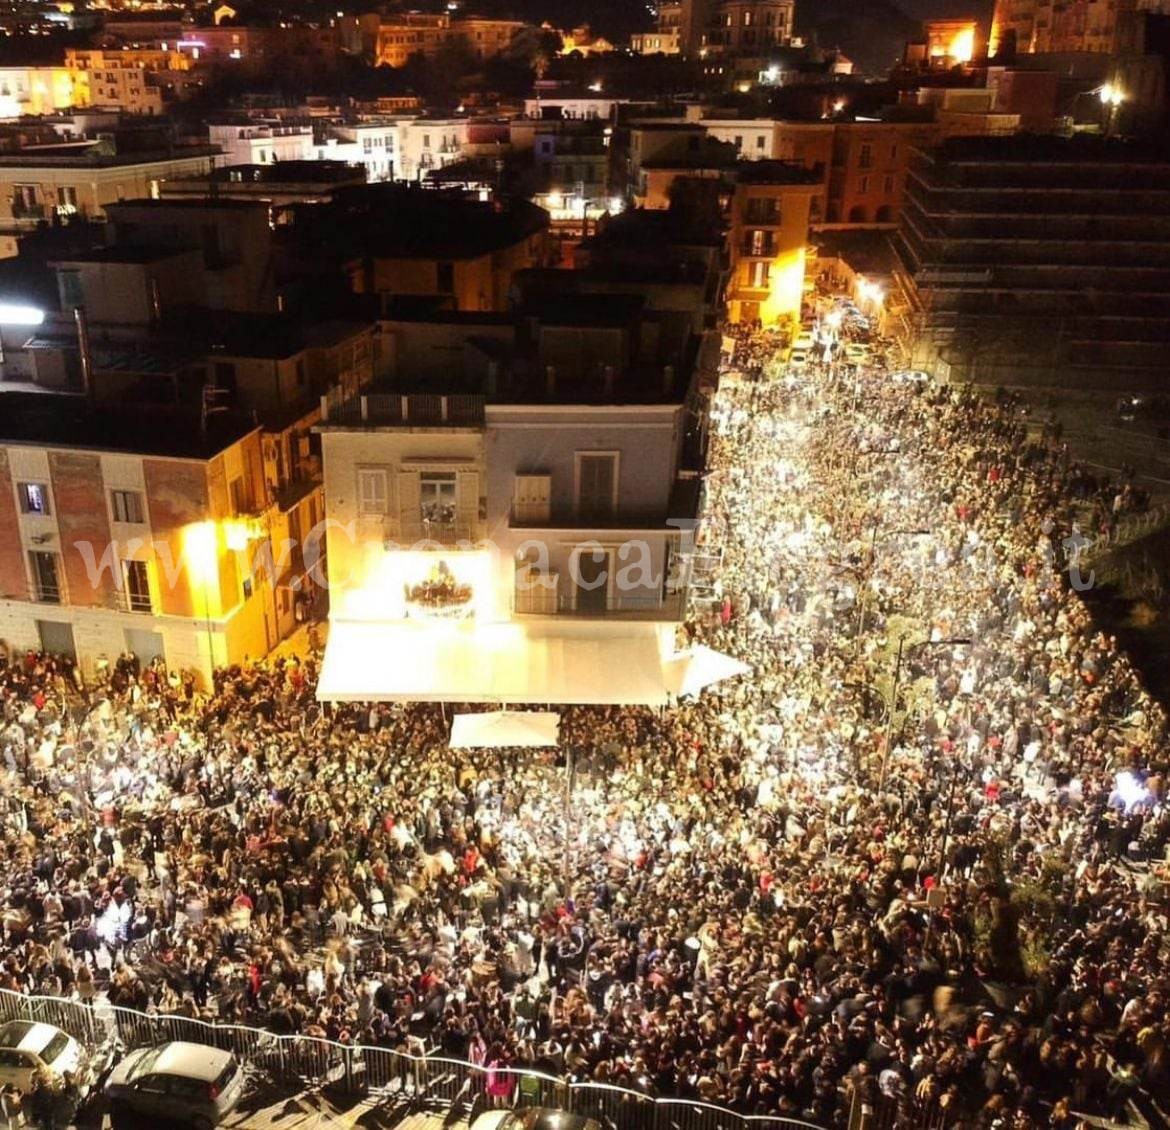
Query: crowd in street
point(914, 860)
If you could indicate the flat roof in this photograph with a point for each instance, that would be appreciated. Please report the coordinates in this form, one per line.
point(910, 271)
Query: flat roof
point(69, 421)
point(122, 253)
point(68, 157)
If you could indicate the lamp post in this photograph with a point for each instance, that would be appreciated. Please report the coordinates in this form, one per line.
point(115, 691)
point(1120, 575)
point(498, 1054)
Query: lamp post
point(861, 604)
point(1111, 97)
point(893, 704)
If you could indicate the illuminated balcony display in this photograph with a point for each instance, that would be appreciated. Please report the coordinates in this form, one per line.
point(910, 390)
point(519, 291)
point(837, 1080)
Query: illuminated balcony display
point(439, 596)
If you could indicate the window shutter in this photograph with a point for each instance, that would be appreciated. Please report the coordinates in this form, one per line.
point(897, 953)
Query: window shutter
point(409, 501)
point(467, 498)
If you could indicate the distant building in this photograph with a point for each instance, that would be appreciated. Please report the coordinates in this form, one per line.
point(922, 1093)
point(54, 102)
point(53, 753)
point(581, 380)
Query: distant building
point(1038, 260)
point(41, 90)
point(1047, 26)
point(767, 239)
point(417, 33)
point(260, 143)
point(72, 180)
point(394, 241)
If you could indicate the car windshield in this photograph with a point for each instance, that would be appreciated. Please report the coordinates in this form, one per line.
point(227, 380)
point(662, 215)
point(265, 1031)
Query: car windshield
point(54, 1047)
point(144, 1065)
point(12, 1034)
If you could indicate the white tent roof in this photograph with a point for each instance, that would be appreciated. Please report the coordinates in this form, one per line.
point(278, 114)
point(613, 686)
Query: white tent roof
point(501, 728)
point(698, 667)
point(547, 661)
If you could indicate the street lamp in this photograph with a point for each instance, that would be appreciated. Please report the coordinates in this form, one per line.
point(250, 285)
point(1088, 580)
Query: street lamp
point(1111, 97)
point(902, 649)
point(861, 604)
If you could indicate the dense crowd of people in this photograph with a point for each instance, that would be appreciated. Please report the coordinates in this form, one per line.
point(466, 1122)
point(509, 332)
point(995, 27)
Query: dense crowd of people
point(914, 860)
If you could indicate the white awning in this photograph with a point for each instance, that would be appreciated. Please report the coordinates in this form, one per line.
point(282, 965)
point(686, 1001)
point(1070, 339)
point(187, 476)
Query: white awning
point(547, 661)
point(499, 729)
point(698, 667)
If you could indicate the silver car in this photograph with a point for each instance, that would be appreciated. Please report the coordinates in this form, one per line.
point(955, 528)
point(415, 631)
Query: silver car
point(181, 1082)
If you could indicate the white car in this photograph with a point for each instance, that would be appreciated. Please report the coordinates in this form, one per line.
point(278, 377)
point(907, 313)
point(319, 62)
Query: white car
point(27, 1048)
point(856, 354)
point(534, 1118)
point(804, 340)
point(798, 358)
point(182, 1082)
point(910, 377)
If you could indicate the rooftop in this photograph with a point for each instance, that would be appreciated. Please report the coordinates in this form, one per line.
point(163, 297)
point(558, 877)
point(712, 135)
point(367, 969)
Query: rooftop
point(70, 157)
point(774, 172)
point(396, 222)
point(122, 253)
point(1027, 148)
point(63, 420)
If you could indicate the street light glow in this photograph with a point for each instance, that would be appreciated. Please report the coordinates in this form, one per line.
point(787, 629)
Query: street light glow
point(16, 315)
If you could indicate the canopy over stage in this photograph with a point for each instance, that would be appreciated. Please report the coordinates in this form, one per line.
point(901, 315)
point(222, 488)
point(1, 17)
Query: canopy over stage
point(505, 729)
point(546, 661)
point(543, 661)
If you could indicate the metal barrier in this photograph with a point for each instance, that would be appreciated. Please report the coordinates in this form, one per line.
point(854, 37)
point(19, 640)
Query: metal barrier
point(307, 1062)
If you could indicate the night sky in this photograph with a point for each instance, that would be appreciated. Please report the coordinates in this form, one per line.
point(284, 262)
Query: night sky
point(926, 9)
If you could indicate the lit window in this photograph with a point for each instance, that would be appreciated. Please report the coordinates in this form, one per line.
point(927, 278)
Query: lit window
point(34, 498)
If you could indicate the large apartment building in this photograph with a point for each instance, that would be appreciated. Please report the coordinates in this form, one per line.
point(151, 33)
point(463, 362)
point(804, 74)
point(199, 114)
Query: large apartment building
point(719, 29)
point(515, 530)
point(1039, 260)
point(1050, 26)
point(129, 532)
point(417, 33)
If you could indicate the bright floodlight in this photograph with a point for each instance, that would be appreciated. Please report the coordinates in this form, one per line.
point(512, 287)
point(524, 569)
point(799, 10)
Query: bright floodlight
point(615, 204)
point(20, 315)
point(554, 200)
point(1111, 95)
point(1131, 790)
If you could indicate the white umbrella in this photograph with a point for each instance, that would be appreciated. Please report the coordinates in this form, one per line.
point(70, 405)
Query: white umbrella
point(688, 672)
point(505, 728)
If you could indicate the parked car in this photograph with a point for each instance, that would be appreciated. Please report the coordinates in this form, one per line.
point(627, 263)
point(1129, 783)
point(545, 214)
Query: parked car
point(798, 358)
point(27, 1048)
point(534, 1118)
point(181, 1082)
point(910, 377)
point(804, 340)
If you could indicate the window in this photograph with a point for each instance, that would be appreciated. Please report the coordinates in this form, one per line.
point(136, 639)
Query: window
point(759, 274)
point(426, 141)
point(739, 141)
point(24, 199)
point(760, 142)
point(371, 491)
point(863, 185)
point(531, 498)
point(596, 484)
point(445, 278)
point(137, 579)
point(865, 158)
point(241, 499)
point(436, 497)
point(67, 198)
point(888, 184)
point(225, 376)
point(46, 582)
point(34, 498)
point(127, 505)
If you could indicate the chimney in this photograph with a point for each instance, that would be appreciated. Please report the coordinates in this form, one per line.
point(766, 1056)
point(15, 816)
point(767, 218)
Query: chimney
point(667, 379)
point(84, 352)
point(550, 380)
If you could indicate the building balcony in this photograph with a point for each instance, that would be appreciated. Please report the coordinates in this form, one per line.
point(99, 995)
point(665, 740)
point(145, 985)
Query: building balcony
point(448, 534)
point(570, 518)
point(583, 604)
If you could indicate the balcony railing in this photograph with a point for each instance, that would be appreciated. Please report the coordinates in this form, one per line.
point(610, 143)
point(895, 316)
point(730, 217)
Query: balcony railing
point(411, 532)
point(423, 410)
point(763, 250)
point(540, 601)
point(47, 592)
